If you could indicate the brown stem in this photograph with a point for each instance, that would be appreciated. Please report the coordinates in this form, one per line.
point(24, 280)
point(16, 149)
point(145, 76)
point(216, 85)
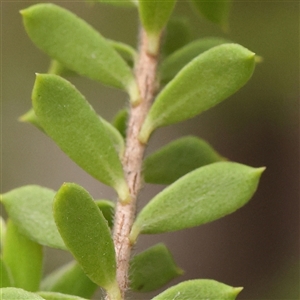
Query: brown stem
point(145, 72)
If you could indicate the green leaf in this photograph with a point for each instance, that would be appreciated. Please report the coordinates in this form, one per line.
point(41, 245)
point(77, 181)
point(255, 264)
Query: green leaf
point(23, 257)
point(154, 15)
point(71, 122)
point(125, 51)
point(120, 121)
point(108, 210)
point(200, 289)
point(114, 134)
point(58, 296)
point(58, 68)
point(2, 232)
point(30, 208)
point(206, 81)
point(177, 60)
point(31, 117)
point(214, 11)
point(77, 45)
point(177, 159)
point(69, 279)
point(115, 137)
point(177, 26)
point(86, 233)
point(203, 195)
point(10, 293)
point(6, 276)
point(152, 269)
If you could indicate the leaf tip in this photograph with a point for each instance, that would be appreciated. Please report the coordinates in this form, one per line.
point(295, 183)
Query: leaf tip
point(23, 12)
point(260, 170)
point(237, 290)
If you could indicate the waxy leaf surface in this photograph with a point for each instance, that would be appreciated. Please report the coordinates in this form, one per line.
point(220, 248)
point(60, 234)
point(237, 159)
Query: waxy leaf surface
point(214, 11)
point(201, 289)
point(72, 123)
point(30, 208)
point(155, 14)
point(206, 81)
point(177, 159)
point(86, 233)
point(78, 46)
point(23, 257)
point(69, 279)
point(58, 296)
point(152, 269)
point(11, 293)
point(201, 196)
point(177, 60)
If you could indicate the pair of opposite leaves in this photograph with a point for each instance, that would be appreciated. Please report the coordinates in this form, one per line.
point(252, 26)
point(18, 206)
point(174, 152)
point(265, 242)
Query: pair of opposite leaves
point(201, 196)
point(91, 55)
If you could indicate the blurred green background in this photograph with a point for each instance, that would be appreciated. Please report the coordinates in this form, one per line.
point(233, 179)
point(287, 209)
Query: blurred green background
point(256, 247)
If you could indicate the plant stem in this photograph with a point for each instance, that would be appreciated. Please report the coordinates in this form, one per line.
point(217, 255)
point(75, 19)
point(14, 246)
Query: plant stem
point(145, 73)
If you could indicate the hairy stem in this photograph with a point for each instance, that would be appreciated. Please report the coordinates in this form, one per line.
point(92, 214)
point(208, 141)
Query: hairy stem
point(145, 72)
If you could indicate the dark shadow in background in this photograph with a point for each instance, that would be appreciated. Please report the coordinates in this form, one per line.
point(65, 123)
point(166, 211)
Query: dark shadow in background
point(256, 247)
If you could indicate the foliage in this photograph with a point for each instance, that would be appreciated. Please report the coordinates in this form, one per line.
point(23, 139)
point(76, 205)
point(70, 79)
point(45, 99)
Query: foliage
point(203, 187)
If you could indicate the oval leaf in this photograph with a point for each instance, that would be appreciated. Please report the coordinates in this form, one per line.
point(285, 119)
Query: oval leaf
point(125, 51)
point(86, 234)
point(175, 62)
point(35, 203)
point(177, 26)
point(200, 289)
point(77, 45)
point(10, 293)
point(177, 159)
point(58, 296)
point(69, 279)
point(204, 82)
point(154, 15)
point(23, 257)
point(115, 137)
point(214, 11)
point(152, 269)
point(114, 134)
point(71, 122)
point(202, 196)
